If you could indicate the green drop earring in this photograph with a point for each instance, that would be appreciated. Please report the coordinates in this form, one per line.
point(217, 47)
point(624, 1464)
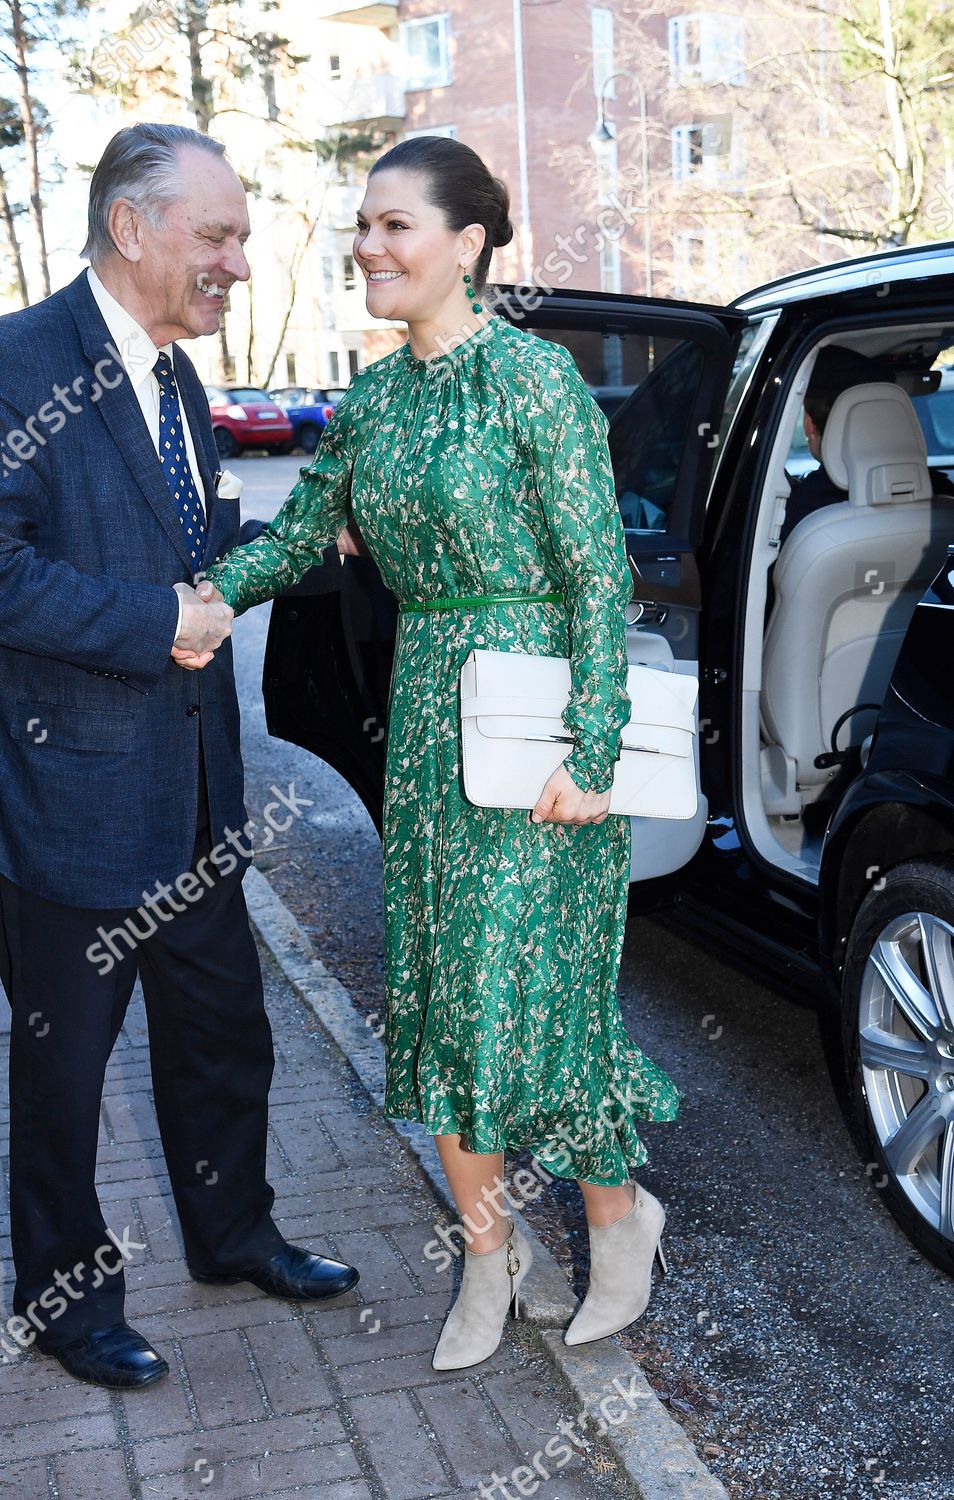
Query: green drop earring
point(472, 294)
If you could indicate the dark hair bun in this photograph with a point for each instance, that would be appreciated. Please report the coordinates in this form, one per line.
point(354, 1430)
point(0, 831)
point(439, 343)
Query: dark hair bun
point(502, 230)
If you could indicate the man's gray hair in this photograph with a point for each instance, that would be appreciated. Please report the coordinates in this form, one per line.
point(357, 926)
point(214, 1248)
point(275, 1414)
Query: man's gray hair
point(140, 163)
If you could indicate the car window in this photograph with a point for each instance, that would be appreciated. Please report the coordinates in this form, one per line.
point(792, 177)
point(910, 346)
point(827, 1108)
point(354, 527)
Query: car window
point(936, 415)
point(647, 385)
point(246, 393)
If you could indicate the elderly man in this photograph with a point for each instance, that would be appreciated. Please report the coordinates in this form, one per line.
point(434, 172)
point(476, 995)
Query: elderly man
point(123, 835)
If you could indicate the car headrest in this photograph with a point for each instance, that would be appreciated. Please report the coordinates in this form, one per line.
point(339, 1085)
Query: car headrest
point(874, 448)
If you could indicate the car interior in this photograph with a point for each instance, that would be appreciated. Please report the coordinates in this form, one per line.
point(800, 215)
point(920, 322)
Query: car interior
point(827, 609)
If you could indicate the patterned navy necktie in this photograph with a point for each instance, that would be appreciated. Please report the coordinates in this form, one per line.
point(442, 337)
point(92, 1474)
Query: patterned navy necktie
point(175, 462)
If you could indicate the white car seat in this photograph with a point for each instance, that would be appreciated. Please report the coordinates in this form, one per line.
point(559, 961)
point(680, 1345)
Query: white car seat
point(846, 583)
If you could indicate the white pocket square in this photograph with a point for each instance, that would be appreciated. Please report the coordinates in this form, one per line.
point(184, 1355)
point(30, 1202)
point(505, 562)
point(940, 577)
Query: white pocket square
point(228, 486)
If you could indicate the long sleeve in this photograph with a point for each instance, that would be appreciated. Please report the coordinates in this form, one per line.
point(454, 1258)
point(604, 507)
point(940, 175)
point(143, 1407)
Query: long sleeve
point(310, 519)
point(116, 626)
point(573, 475)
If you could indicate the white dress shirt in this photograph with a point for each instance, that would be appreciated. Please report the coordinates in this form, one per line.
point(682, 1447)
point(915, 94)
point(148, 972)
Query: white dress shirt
point(139, 354)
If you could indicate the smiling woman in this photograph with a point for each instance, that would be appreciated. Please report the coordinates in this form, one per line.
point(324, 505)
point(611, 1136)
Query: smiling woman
point(418, 225)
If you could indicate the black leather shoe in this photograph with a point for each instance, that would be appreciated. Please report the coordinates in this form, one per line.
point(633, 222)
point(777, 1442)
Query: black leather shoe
point(293, 1273)
point(117, 1356)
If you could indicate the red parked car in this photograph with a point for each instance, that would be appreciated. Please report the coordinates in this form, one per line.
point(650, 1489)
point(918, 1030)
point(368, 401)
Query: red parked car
point(243, 417)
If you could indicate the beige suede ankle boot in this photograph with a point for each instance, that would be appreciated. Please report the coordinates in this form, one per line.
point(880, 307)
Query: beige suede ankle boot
point(491, 1282)
point(621, 1265)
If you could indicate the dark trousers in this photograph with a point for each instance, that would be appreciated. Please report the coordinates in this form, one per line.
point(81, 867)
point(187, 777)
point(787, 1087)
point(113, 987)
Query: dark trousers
point(211, 1058)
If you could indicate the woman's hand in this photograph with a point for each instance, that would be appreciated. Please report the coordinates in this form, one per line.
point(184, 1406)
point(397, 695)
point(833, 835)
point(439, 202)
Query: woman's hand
point(350, 545)
point(561, 801)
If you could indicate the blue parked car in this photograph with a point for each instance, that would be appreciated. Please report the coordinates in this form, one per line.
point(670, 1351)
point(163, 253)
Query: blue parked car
point(308, 408)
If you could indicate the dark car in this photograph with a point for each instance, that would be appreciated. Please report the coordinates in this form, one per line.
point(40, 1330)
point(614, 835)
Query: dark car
point(244, 417)
point(823, 846)
point(309, 409)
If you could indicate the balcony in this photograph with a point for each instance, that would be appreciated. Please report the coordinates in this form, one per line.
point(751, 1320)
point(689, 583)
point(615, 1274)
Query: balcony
point(377, 100)
point(362, 12)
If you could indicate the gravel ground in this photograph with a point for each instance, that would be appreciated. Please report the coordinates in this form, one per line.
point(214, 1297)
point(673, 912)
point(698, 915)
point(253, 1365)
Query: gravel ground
point(799, 1337)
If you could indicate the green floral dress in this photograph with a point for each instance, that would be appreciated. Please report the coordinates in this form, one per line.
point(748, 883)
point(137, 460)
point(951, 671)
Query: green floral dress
point(485, 471)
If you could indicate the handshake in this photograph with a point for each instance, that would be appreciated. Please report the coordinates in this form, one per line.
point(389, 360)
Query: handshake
point(206, 622)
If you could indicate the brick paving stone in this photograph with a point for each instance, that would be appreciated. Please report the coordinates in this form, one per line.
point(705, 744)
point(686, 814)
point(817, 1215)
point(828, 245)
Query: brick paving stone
point(163, 1239)
point(327, 1322)
point(383, 1271)
point(89, 1476)
point(378, 1340)
point(411, 1370)
point(218, 1370)
point(69, 1435)
point(274, 1474)
point(24, 1479)
point(33, 1404)
point(467, 1427)
point(397, 1439)
point(288, 1365)
point(176, 1455)
point(163, 1411)
point(227, 1315)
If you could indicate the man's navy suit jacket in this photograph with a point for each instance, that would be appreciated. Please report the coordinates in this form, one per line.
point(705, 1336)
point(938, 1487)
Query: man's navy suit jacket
point(100, 731)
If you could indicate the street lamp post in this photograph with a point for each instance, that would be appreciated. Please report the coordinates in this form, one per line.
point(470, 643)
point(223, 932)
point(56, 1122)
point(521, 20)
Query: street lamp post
point(605, 134)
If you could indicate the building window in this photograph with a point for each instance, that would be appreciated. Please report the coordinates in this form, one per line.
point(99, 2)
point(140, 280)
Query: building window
point(334, 67)
point(604, 53)
point(334, 369)
point(352, 362)
point(709, 152)
point(425, 45)
point(692, 261)
point(448, 130)
point(350, 279)
point(291, 373)
point(706, 48)
point(328, 275)
point(704, 261)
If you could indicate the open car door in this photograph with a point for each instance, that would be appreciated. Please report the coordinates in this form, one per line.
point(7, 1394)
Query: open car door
point(663, 369)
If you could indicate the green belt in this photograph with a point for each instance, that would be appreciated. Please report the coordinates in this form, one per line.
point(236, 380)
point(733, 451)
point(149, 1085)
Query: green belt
point(421, 606)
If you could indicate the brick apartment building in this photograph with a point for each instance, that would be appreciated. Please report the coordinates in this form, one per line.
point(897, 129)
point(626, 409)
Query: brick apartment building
point(524, 82)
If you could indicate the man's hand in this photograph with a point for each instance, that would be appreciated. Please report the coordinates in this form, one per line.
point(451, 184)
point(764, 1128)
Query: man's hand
point(206, 623)
point(561, 801)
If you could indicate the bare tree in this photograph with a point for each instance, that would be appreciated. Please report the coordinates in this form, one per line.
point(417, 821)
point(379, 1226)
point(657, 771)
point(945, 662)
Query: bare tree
point(11, 135)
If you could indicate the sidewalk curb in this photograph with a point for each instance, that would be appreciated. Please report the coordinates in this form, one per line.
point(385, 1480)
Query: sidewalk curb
point(652, 1448)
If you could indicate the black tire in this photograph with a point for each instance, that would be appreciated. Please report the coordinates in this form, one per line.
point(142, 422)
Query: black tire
point(912, 900)
point(225, 443)
point(309, 436)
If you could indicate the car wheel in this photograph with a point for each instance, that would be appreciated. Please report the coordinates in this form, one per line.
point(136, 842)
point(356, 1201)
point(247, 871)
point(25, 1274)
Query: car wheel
point(309, 436)
point(898, 1032)
point(225, 443)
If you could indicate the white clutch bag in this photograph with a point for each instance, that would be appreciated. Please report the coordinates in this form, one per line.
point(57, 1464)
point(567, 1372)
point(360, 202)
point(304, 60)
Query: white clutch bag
point(513, 736)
